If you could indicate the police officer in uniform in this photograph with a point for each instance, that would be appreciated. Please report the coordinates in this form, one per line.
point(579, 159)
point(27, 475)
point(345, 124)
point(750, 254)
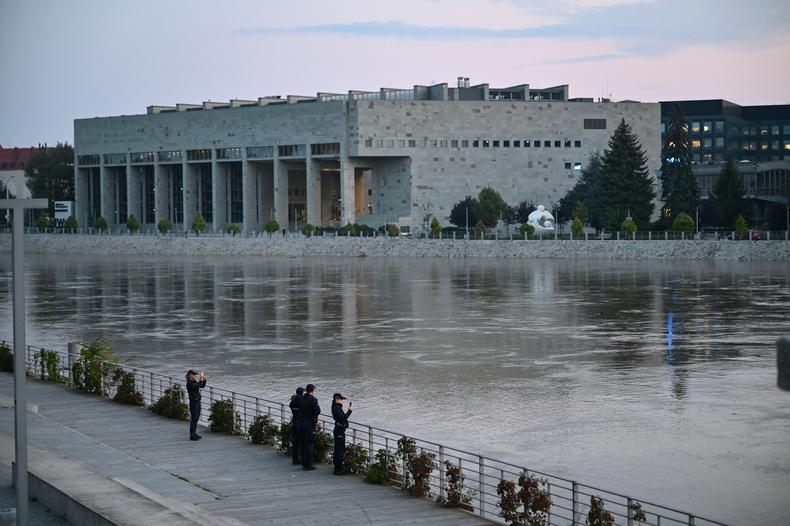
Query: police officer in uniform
point(295, 428)
point(308, 419)
point(339, 433)
point(194, 386)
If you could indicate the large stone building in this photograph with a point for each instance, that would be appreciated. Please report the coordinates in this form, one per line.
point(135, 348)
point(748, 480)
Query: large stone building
point(390, 156)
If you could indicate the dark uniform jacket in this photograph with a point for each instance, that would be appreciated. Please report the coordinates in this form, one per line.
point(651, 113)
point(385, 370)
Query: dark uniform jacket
point(309, 409)
point(341, 418)
point(294, 405)
point(193, 388)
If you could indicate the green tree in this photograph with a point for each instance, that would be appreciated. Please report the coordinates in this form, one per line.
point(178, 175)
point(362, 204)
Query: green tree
point(523, 209)
point(199, 224)
point(50, 174)
point(510, 216)
point(728, 192)
point(308, 230)
point(42, 223)
point(436, 227)
point(232, 229)
point(164, 226)
point(71, 223)
point(577, 227)
point(393, 230)
point(271, 226)
point(132, 224)
point(528, 229)
point(101, 224)
point(580, 212)
point(683, 223)
point(490, 206)
point(629, 225)
point(679, 187)
point(740, 225)
point(350, 229)
point(626, 186)
point(586, 191)
point(459, 212)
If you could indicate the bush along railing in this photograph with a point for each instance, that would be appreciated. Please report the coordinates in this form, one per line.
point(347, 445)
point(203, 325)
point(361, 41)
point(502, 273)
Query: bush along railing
point(6, 358)
point(493, 489)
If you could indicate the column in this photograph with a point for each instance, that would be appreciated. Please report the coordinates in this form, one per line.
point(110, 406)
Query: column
point(107, 194)
point(249, 190)
point(347, 191)
point(190, 185)
point(219, 194)
point(161, 193)
point(133, 197)
point(280, 191)
point(313, 183)
point(81, 196)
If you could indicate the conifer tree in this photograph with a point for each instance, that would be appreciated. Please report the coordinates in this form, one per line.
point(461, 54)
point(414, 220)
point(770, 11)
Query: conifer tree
point(626, 186)
point(585, 191)
point(679, 187)
point(728, 192)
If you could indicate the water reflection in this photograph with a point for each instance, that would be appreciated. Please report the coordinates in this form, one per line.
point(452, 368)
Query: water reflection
point(645, 376)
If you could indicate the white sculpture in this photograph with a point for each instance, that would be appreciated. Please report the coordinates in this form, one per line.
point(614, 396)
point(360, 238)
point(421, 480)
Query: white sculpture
point(541, 220)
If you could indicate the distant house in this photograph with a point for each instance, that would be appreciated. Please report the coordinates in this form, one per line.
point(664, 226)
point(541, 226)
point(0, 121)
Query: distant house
point(12, 168)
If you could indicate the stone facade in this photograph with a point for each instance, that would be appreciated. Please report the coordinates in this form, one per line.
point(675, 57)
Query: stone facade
point(339, 159)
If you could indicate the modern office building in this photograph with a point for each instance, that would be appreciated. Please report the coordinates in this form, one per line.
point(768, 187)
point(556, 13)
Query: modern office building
point(12, 169)
point(721, 130)
point(388, 156)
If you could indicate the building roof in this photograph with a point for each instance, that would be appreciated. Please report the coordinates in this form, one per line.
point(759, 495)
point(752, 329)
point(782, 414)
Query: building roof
point(725, 107)
point(16, 158)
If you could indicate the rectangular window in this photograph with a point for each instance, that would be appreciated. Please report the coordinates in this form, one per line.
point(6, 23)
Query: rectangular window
point(261, 152)
point(707, 158)
point(391, 143)
point(172, 156)
point(707, 143)
point(85, 160)
point(486, 143)
point(443, 143)
point(663, 128)
point(292, 150)
point(753, 146)
point(695, 127)
point(199, 155)
point(228, 153)
point(696, 143)
point(764, 146)
point(594, 124)
point(745, 131)
point(577, 166)
point(496, 144)
point(567, 166)
point(505, 144)
point(786, 129)
point(787, 146)
point(775, 145)
point(719, 142)
point(516, 144)
point(577, 144)
point(326, 148)
point(412, 143)
point(526, 143)
point(139, 157)
point(119, 158)
point(695, 157)
point(537, 143)
point(558, 144)
point(567, 143)
point(401, 143)
point(465, 143)
point(454, 143)
point(775, 130)
point(547, 144)
point(719, 127)
point(763, 130)
point(752, 131)
point(379, 143)
point(368, 143)
point(476, 143)
point(707, 127)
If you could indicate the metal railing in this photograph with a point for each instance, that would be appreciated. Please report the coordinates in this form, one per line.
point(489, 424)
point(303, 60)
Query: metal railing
point(570, 499)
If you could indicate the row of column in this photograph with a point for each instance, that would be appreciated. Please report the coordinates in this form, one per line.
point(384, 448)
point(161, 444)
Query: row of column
point(264, 191)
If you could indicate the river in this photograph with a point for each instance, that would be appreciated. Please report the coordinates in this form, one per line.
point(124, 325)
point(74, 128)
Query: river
point(656, 379)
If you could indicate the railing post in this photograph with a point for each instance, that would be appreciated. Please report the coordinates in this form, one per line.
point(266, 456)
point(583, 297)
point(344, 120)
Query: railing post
point(575, 505)
point(586, 236)
point(211, 395)
point(370, 445)
point(441, 473)
point(650, 235)
point(480, 486)
point(666, 235)
point(630, 512)
point(548, 493)
point(691, 520)
point(618, 235)
point(257, 406)
point(151, 387)
point(282, 414)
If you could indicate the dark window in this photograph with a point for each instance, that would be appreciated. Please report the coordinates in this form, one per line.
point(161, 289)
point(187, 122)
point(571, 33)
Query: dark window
point(567, 166)
point(506, 144)
point(594, 124)
point(454, 143)
point(464, 143)
point(547, 144)
point(327, 148)
point(476, 143)
point(516, 144)
point(496, 144)
point(526, 143)
point(577, 144)
point(412, 143)
point(486, 143)
point(557, 144)
point(567, 143)
point(199, 155)
point(537, 143)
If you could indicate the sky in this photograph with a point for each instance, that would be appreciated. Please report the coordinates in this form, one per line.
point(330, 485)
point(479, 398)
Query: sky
point(84, 58)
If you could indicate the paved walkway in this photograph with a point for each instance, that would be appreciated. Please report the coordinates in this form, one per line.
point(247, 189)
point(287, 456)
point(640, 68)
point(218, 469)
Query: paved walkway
point(226, 479)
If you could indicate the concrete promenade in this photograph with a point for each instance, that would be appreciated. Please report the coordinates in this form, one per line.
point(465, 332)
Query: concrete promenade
point(298, 246)
point(154, 475)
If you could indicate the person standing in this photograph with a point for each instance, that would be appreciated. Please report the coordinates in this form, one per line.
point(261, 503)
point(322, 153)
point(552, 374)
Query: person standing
point(339, 433)
point(295, 428)
point(308, 419)
point(194, 385)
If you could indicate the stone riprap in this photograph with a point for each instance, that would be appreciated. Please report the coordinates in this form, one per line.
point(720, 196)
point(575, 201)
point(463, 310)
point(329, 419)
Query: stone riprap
point(119, 245)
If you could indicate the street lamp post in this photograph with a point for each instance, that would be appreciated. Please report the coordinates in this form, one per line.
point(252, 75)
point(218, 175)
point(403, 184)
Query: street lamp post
point(18, 206)
point(467, 222)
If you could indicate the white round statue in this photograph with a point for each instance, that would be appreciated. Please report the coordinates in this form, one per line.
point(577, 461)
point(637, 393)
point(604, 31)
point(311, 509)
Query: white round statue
point(541, 220)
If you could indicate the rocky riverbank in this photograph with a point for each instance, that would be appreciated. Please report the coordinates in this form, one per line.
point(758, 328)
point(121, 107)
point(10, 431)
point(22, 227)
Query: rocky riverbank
point(96, 245)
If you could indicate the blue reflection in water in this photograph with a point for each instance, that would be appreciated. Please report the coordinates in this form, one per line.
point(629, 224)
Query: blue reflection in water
point(669, 336)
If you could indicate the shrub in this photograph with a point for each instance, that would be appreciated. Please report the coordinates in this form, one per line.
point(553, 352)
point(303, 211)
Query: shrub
point(199, 224)
point(286, 447)
point(42, 223)
point(223, 418)
point(271, 226)
point(350, 229)
point(308, 230)
point(529, 505)
point(71, 223)
point(419, 467)
point(480, 228)
point(356, 459)
point(629, 225)
point(597, 515)
point(577, 227)
point(91, 370)
point(683, 223)
point(383, 471)
point(125, 393)
point(132, 224)
point(436, 227)
point(528, 229)
point(636, 512)
point(171, 404)
point(101, 224)
point(393, 230)
point(264, 431)
point(323, 444)
point(49, 365)
point(455, 488)
point(164, 226)
point(740, 225)
point(6, 358)
point(233, 229)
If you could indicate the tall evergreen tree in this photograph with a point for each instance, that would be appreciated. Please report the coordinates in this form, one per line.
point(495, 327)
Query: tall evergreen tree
point(50, 174)
point(728, 192)
point(679, 187)
point(490, 206)
point(586, 191)
point(458, 214)
point(626, 186)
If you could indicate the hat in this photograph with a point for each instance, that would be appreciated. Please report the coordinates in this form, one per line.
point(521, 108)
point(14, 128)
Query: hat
point(191, 371)
point(300, 390)
point(338, 396)
point(310, 387)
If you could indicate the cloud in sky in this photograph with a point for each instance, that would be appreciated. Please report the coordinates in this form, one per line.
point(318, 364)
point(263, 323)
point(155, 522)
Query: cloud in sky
point(647, 28)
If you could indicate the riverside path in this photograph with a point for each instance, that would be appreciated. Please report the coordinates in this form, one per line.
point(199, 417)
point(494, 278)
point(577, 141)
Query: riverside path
point(218, 480)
